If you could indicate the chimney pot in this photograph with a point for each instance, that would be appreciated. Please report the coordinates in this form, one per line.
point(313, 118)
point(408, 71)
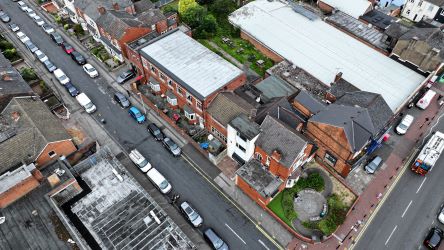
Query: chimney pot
point(276, 155)
point(116, 6)
point(101, 10)
point(338, 77)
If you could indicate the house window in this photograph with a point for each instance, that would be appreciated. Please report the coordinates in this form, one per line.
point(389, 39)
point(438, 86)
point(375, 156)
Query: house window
point(430, 7)
point(179, 90)
point(172, 101)
point(152, 68)
point(218, 134)
point(241, 136)
point(267, 162)
point(162, 77)
point(153, 27)
point(52, 154)
point(198, 105)
point(144, 62)
point(240, 147)
point(408, 12)
point(330, 159)
point(412, 1)
point(170, 84)
point(420, 3)
point(189, 97)
point(155, 87)
point(258, 156)
point(190, 116)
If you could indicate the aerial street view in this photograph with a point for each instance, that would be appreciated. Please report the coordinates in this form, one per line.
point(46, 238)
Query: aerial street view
point(221, 124)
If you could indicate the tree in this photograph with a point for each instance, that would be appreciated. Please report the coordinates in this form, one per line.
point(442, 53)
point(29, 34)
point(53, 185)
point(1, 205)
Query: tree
point(209, 24)
point(194, 16)
point(28, 74)
point(184, 5)
point(205, 2)
point(169, 8)
point(221, 8)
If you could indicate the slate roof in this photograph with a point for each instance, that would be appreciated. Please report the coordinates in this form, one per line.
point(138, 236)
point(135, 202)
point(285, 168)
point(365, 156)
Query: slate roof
point(226, 106)
point(275, 135)
point(259, 178)
point(378, 19)
point(309, 102)
point(11, 82)
point(245, 126)
point(281, 109)
point(34, 128)
point(355, 121)
point(274, 87)
point(377, 108)
point(89, 7)
point(341, 87)
point(432, 36)
point(396, 30)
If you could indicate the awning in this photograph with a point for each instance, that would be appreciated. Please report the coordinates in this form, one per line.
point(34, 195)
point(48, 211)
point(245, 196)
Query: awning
point(138, 78)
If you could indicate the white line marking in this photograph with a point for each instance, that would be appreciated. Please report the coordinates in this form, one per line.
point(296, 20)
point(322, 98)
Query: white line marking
point(263, 244)
point(420, 186)
point(337, 237)
point(235, 233)
point(407, 208)
point(390, 235)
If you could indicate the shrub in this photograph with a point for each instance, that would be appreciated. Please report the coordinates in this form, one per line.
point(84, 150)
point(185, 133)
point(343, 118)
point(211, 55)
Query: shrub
point(28, 74)
point(4, 45)
point(313, 180)
point(11, 54)
point(66, 26)
point(58, 19)
point(78, 29)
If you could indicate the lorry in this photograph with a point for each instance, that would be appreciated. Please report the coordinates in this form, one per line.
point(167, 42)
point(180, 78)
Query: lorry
point(429, 154)
point(86, 103)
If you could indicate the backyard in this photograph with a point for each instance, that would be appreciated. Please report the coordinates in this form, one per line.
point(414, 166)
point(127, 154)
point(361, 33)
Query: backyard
point(8, 50)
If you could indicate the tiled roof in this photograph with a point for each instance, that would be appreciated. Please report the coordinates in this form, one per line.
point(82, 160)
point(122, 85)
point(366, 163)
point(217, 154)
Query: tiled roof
point(226, 106)
point(396, 30)
point(90, 6)
point(246, 127)
point(281, 109)
point(341, 87)
point(274, 87)
point(309, 102)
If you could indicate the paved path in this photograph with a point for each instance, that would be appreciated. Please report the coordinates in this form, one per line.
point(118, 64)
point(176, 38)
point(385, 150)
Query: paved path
point(226, 55)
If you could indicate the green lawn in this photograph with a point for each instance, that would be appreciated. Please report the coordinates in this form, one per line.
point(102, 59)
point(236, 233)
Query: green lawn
point(276, 206)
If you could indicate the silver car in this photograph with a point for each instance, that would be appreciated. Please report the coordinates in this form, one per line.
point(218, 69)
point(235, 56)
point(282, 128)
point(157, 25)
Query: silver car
point(191, 215)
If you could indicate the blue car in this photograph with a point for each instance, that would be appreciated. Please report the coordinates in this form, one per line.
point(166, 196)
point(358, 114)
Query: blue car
point(137, 115)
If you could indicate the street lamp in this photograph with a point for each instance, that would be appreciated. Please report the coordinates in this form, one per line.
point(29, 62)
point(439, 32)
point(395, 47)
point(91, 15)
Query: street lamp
point(143, 103)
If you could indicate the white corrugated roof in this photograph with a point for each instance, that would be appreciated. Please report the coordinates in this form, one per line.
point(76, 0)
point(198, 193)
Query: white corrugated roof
point(323, 50)
point(354, 8)
point(191, 63)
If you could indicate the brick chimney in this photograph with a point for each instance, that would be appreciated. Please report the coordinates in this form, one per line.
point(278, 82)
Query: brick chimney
point(276, 155)
point(338, 77)
point(116, 6)
point(101, 10)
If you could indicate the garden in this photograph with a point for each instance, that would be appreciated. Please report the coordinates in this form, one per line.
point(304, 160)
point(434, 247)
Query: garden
point(69, 26)
point(8, 50)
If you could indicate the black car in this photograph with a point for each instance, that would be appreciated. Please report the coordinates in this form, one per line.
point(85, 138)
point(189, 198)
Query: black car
point(49, 66)
point(125, 76)
point(156, 132)
point(433, 239)
point(171, 146)
point(122, 100)
point(72, 90)
point(76, 56)
point(57, 38)
point(214, 240)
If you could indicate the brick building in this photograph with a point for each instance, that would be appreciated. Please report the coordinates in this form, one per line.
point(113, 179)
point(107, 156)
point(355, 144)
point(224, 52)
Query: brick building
point(184, 72)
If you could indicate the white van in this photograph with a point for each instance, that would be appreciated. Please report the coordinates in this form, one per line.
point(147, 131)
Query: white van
point(425, 100)
point(61, 77)
point(159, 181)
point(405, 123)
point(139, 160)
point(86, 103)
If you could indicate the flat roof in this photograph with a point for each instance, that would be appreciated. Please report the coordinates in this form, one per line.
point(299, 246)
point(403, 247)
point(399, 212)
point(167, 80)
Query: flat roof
point(259, 178)
point(192, 65)
point(354, 8)
point(324, 51)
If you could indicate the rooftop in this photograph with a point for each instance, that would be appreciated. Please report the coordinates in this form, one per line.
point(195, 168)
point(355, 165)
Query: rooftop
point(186, 61)
point(118, 213)
point(309, 102)
point(324, 51)
point(353, 8)
point(378, 19)
point(12, 178)
point(281, 109)
point(11, 82)
point(274, 87)
point(226, 106)
point(276, 136)
point(245, 126)
point(259, 178)
point(357, 28)
point(90, 7)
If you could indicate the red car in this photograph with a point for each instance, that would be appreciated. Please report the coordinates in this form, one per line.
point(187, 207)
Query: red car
point(67, 48)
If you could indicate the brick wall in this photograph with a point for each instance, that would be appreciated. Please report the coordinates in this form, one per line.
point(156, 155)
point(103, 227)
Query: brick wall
point(18, 191)
point(262, 48)
point(252, 193)
point(211, 122)
point(325, 7)
point(131, 34)
point(341, 166)
point(301, 108)
point(65, 147)
point(274, 167)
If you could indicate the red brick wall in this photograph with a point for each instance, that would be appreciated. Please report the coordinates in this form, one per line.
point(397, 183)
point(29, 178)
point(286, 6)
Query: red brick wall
point(341, 167)
point(252, 193)
point(275, 167)
point(301, 108)
point(60, 148)
point(325, 7)
point(161, 26)
point(131, 34)
point(18, 191)
point(262, 48)
point(211, 122)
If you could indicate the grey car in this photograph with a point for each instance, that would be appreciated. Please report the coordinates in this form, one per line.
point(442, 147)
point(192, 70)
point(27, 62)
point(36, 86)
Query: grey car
point(190, 214)
point(214, 240)
point(125, 76)
point(122, 100)
point(49, 66)
point(373, 165)
point(31, 46)
point(4, 17)
point(171, 146)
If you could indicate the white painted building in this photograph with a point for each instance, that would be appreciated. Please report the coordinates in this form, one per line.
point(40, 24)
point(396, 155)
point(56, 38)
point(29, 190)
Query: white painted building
point(241, 138)
point(416, 10)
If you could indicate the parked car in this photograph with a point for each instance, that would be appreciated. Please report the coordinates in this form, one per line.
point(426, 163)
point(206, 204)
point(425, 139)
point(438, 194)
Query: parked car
point(373, 165)
point(78, 58)
point(171, 146)
point(156, 132)
point(4, 17)
point(122, 100)
point(159, 181)
point(214, 240)
point(191, 215)
point(61, 77)
point(31, 46)
point(22, 5)
point(30, 12)
point(404, 125)
point(90, 70)
point(23, 38)
point(86, 103)
point(38, 20)
point(57, 38)
point(72, 90)
point(140, 161)
point(49, 66)
point(125, 76)
point(426, 99)
point(67, 48)
point(48, 28)
point(441, 215)
point(136, 114)
point(434, 238)
point(14, 27)
point(41, 56)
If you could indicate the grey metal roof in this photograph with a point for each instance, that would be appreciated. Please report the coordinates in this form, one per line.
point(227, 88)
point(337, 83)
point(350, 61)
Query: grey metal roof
point(274, 87)
point(438, 3)
point(309, 102)
point(275, 135)
point(192, 65)
point(281, 109)
point(245, 126)
point(259, 178)
point(355, 121)
point(226, 106)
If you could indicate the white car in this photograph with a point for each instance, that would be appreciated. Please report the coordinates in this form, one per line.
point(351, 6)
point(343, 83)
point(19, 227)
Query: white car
point(48, 28)
point(41, 56)
point(61, 77)
point(30, 12)
point(14, 27)
point(38, 20)
point(90, 70)
point(22, 5)
point(441, 216)
point(23, 38)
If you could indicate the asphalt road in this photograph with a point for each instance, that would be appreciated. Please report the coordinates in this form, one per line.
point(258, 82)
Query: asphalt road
point(409, 212)
point(218, 213)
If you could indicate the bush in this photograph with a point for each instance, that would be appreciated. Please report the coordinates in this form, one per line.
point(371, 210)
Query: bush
point(78, 30)
point(313, 180)
point(4, 45)
point(58, 19)
point(28, 74)
point(66, 26)
point(11, 54)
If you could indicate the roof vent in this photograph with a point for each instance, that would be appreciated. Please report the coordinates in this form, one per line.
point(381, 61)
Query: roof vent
point(141, 41)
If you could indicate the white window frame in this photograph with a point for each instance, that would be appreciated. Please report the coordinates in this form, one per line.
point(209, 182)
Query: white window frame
point(191, 116)
point(162, 76)
point(152, 68)
point(54, 154)
point(179, 90)
point(258, 156)
point(199, 105)
point(267, 162)
point(172, 101)
point(170, 84)
point(188, 95)
point(155, 88)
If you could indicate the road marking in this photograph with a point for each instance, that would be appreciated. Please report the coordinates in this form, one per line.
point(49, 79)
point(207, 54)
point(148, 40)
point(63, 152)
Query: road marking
point(235, 233)
point(420, 186)
point(407, 208)
point(337, 237)
point(263, 244)
point(390, 235)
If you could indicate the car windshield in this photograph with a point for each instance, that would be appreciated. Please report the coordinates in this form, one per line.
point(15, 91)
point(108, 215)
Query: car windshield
point(193, 215)
point(156, 131)
point(218, 243)
point(90, 69)
point(402, 126)
point(137, 114)
point(88, 105)
point(62, 77)
point(143, 163)
point(163, 184)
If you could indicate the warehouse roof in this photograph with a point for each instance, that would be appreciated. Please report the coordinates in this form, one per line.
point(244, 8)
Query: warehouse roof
point(354, 8)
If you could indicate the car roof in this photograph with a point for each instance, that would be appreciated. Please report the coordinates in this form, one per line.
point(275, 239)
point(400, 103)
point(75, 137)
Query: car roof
point(120, 95)
point(209, 232)
point(134, 109)
point(153, 125)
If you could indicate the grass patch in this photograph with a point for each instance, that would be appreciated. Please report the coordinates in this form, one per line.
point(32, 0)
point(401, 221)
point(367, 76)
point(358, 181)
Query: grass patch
point(276, 206)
